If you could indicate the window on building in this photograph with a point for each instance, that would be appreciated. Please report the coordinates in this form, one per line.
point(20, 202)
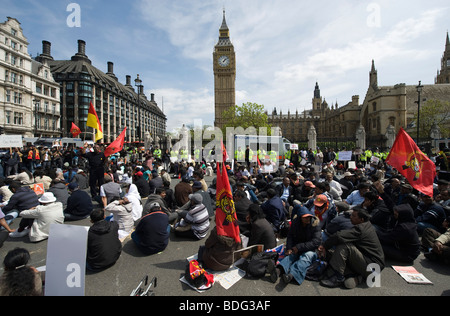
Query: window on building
point(8, 117)
point(18, 118)
point(38, 88)
point(8, 96)
point(374, 107)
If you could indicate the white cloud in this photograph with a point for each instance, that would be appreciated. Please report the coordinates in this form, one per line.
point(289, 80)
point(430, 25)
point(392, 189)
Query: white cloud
point(184, 107)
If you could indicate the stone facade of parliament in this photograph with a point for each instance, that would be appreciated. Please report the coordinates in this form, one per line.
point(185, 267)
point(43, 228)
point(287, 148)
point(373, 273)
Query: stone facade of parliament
point(385, 109)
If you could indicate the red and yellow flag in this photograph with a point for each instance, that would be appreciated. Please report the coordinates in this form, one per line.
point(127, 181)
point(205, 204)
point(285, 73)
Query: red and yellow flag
point(226, 218)
point(94, 122)
point(412, 163)
point(75, 130)
point(116, 145)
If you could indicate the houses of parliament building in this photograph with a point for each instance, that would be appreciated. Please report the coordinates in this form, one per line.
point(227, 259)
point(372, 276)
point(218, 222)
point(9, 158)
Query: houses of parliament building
point(385, 109)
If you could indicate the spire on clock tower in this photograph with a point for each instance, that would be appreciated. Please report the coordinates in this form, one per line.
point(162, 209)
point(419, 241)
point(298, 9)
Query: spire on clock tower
point(224, 33)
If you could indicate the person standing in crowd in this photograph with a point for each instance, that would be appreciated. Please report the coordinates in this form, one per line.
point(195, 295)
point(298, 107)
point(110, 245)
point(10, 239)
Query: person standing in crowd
point(96, 160)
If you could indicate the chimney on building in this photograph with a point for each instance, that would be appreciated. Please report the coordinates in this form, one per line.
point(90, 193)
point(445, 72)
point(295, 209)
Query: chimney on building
point(128, 81)
point(46, 52)
point(152, 97)
point(111, 70)
point(81, 55)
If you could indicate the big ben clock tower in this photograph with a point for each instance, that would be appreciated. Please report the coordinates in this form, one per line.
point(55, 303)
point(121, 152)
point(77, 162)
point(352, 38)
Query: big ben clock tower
point(224, 74)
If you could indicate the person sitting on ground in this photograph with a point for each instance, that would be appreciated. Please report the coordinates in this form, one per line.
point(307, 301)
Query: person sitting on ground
point(104, 247)
point(195, 222)
point(155, 182)
point(141, 184)
point(437, 245)
point(36, 222)
point(274, 210)
point(197, 187)
point(340, 222)
point(109, 191)
point(303, 239)
point(354, 250)
point(217, 253)
point(356, 197)
point(160, 197)
point(24, 177)
point(132, 194)
point(23, 198)
point(429, 214)
point(182, 190)
point(153, 231)
point(5, 192)
point(242, 205)
point(121, 210)
point(19, 279)
point(380, 215)
point(41, 177)
point(261, 232)
point(82, 179)
point(79, 204)
point(59, 190)
point(402, 242)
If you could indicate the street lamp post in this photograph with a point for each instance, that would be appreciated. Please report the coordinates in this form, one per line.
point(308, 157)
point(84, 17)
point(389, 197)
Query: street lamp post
point(419, 91)
point(138, 84)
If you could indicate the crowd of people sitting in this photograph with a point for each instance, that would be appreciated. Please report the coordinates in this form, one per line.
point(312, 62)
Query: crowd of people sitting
point(364, 216)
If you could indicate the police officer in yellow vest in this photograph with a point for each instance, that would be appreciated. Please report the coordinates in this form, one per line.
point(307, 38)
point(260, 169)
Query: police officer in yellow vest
point(239, 155)
point(157, 153)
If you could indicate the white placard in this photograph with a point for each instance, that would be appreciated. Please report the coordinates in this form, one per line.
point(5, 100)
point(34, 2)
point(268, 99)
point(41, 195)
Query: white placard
point(345, 155)
point(7, 141)
point(66, 260)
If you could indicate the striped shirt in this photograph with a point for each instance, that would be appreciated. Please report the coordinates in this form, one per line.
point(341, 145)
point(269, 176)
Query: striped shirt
point(198, 217)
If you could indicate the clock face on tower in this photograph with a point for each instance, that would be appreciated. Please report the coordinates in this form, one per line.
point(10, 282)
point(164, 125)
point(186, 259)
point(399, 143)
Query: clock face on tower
point(224, 61)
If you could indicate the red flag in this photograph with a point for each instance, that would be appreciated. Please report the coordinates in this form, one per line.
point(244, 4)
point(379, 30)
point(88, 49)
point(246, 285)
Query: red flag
point(75, 130)
point(412, 163)
point(226, 218)
point(116, 145)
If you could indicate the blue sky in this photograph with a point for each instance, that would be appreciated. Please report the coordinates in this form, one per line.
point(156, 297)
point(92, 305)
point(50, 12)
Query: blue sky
point(282, 46)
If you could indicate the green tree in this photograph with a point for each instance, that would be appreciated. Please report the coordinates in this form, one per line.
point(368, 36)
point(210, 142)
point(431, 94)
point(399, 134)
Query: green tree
point(247, 115)
point(434, 112)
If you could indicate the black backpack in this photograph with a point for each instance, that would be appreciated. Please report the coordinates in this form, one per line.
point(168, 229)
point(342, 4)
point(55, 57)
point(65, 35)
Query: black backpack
point(257, 265)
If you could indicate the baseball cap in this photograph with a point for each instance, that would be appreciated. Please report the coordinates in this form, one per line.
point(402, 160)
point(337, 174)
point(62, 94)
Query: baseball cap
point(309, 184)
point(320, 200)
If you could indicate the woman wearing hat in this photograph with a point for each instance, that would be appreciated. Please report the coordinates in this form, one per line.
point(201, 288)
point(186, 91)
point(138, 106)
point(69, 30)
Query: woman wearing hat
point(40, 218)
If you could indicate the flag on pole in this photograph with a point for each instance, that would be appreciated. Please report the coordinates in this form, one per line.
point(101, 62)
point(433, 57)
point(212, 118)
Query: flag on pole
point(226, 218)
point(94, 122)
point(412, 163)
point(116, 145)
point(75, 130)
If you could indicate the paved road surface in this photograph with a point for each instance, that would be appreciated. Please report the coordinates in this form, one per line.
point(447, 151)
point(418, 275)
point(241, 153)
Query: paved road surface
point(169, 266)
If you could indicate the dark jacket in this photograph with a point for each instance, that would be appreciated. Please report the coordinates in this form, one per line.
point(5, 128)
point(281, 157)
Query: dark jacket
point(23, 199)
point(404, 236)
point(155, 183)
point(142, 186)
point(104, 247)
point(304, 238)
point(218, 251)
point(364, 237)
point(340, 222)
point(274, 211)
point(261, 233)
point(61, 193)
point(152, 232)
point(433, 214)
point(79, 203)
point(380, 214)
